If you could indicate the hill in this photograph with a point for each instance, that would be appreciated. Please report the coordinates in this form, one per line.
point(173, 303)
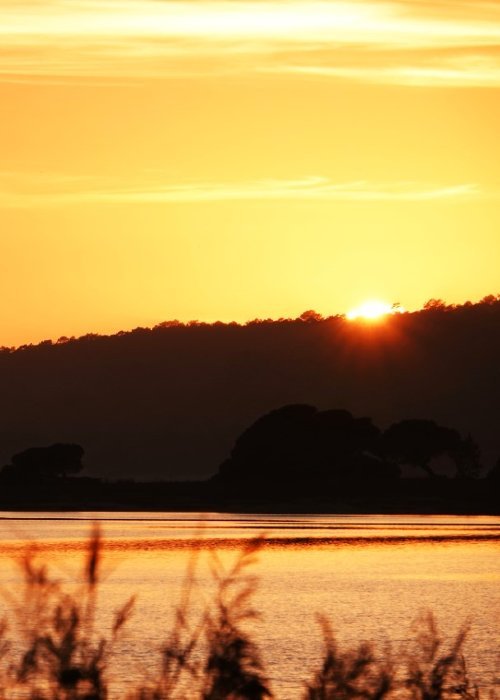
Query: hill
point(168, 402)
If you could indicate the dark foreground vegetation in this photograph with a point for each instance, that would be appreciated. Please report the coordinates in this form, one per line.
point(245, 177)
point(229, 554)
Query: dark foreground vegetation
point(66, 656)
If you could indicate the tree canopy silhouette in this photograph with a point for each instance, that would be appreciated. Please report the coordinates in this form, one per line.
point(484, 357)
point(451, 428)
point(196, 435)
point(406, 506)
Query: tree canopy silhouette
point(297, 442)
point(467, 458)
point(418, 441)
point(56, 460)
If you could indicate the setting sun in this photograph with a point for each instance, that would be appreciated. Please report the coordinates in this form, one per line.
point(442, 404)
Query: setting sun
point(373, 310)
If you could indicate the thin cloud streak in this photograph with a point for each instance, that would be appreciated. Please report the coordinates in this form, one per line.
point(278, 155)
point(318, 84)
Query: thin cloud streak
point(127, 38)
point(310, 188)
point(460, 72)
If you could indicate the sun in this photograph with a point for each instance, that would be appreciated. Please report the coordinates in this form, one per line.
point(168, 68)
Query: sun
point(373, 310)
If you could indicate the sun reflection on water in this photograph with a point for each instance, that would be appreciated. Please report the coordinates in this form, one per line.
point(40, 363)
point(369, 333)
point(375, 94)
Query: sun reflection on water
point(371, 575)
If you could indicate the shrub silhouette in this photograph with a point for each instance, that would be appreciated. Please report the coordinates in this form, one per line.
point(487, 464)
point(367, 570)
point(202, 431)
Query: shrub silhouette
point(233, 667)
point(349, 674)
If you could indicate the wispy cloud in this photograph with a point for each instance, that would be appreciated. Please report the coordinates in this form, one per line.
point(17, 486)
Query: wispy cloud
point(150, 38)
point(60, 191)
point(459, 71)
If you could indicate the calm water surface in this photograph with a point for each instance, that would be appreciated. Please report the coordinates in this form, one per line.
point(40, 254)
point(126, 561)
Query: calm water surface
point(371, 575)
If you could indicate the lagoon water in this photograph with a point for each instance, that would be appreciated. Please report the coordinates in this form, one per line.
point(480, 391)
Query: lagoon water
point(371, 575)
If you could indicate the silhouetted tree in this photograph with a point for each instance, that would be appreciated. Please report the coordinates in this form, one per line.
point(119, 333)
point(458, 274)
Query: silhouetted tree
point(467, 458)
point(56, 460)
point(418, 441)
point(339, 440)
point(310, 316)
point(435, 305)
point(299, 443)
point(277, 444)
point(490, 299)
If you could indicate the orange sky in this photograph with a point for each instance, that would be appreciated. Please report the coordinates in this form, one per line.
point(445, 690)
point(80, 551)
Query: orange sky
point(232, 159)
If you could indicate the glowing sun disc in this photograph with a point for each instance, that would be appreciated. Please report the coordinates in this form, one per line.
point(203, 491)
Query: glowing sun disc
point(372, 310)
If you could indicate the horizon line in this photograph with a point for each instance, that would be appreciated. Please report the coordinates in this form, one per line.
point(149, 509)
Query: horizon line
point(308, 316)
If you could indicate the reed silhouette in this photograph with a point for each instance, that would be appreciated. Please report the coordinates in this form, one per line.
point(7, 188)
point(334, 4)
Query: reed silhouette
point(65, 656)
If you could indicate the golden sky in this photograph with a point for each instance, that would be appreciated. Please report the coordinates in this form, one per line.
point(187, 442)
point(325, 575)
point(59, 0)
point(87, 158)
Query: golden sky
point(231, 159)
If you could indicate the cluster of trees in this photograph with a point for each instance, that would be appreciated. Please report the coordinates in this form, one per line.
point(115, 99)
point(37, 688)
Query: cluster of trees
point(293, 453)
point(298, 442)
point(45, 462)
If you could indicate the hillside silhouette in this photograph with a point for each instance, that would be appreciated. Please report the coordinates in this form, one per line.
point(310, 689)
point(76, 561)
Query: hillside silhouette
point(168, 402)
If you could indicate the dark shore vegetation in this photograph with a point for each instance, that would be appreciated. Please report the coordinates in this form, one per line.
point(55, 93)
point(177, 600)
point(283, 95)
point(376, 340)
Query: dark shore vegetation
point(420, 496)
point(65, 655)
point(292, 459)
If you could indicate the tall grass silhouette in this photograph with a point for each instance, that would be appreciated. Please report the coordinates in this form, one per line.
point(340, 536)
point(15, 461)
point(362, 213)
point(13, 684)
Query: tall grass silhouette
point(61, 653)
point(64, 655)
